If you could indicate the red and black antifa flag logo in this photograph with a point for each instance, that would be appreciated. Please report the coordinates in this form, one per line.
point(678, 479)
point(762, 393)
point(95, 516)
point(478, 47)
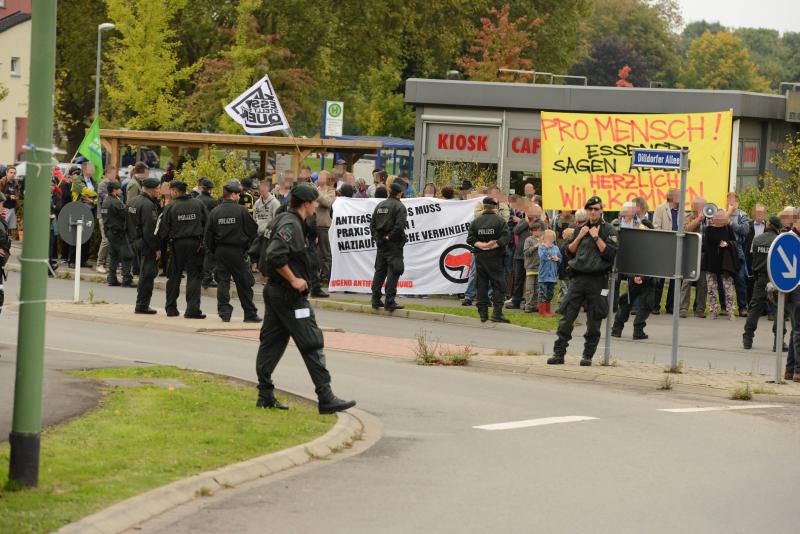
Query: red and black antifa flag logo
point(258, 109)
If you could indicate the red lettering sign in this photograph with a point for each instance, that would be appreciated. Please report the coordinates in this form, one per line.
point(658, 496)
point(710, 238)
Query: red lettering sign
point(525, 145)
point(464, 143)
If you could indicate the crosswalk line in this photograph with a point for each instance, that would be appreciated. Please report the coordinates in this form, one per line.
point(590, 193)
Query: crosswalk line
point(719, 408)
point(535, 422)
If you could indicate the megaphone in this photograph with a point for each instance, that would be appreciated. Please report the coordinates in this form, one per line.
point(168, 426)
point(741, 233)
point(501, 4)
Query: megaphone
point(709, 210)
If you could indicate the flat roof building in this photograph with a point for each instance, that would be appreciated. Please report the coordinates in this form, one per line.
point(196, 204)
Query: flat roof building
point(492, 129)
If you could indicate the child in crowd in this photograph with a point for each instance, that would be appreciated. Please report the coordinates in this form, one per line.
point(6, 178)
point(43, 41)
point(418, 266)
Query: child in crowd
point(549, 260)
point(530, 252)
point(563, 271)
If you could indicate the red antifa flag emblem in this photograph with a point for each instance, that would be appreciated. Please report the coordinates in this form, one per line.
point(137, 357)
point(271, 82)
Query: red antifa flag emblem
point(455, 263)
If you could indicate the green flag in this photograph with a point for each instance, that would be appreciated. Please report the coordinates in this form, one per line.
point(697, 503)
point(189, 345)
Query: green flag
point(91, 148)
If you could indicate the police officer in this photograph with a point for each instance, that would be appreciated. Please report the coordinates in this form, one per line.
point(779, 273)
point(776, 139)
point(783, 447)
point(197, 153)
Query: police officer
point(209, 264)
point(388, 228)
point(114, 215)
point(183, 224)
point(758, 300)
point(288, 313)
point(489, 236)
point(142, 225)
point(229, 232)
point(592, 251)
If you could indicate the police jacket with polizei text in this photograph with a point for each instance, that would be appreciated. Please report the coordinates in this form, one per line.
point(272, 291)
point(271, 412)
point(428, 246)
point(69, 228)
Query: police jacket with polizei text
point(114, 215)
point(487, 227)
point(230, 225)
point(287, 246)
point(388, 222)
point(184, 217)
point(761, 245)
point(588, 259)
point(143, 220)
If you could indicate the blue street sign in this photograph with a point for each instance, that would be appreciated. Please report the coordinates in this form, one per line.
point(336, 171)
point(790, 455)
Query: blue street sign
point(782, 262)
point(656, 159)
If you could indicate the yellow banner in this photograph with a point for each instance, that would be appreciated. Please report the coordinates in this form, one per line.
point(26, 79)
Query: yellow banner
point(590, 154)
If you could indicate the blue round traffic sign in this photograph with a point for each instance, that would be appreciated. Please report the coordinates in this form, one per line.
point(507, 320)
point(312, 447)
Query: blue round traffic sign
point(782, 262)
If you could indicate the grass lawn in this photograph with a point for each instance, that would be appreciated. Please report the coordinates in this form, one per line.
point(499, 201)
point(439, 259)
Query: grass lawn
point(140, 438)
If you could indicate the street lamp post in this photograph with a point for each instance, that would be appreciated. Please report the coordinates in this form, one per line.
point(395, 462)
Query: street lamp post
point(100, 28)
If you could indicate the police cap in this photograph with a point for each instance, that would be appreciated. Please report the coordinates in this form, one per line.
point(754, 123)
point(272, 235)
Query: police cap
point(593, 201)
point(398, 186)
point(150, 183)
point(305, 192)
point(207, 183)
point(112, 186)
point(775, 221)
point(232, 187)
point(177, 184)
point(489, 201)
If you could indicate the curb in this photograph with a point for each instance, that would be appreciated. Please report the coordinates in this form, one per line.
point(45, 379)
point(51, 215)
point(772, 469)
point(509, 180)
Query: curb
point(350, 427)
point(644, 383)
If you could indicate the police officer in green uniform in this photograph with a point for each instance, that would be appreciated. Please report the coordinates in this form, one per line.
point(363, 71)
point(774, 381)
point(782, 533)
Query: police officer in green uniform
point(591, 252)
point(229, 232)
point(758, 301)
point(183, 223)
point(115, 222)
point(142, 224)
point(489, 237)
point(388, 228)
point(288, 313)
point(209, 202)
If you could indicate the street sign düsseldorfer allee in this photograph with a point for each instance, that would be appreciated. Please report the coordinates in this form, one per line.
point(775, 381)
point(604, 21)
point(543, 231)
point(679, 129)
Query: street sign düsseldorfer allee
point(258, 110)
point(782, 262)
point(656, 159)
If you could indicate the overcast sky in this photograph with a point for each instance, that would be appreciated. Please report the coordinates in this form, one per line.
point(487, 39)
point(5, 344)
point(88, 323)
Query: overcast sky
point(782, 15)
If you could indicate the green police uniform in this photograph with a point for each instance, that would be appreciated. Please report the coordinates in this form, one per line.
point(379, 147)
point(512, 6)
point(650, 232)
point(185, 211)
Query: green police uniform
point(288, 312)
point(209, 263)
point(388, 229)
point(229, 232)
point(114, 215)
point(758, 300)
point(142, 225)
point(588, 288)
point(183, 225)
point(487, 227)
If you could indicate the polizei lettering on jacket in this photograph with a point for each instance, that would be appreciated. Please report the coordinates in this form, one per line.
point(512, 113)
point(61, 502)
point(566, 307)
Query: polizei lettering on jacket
point(485, 231)
point(228, 220)
point(187, 217)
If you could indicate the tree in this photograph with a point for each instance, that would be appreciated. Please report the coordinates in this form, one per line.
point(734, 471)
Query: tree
point(76, 46)
point(144, 61)
point(791, 40)
point(381, 108)
point(721, 61)
point(500, 43)
point(780, 188)
point(607, 57)
point(768, 52)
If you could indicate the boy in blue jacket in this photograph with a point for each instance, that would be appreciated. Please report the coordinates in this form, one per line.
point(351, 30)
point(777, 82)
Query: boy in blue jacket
point(549, 260)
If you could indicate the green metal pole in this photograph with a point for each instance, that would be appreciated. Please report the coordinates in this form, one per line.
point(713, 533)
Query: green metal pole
point(27, 424)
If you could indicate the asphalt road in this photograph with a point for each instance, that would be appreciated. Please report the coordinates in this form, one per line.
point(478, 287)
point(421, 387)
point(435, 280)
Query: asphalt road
point(623, 466)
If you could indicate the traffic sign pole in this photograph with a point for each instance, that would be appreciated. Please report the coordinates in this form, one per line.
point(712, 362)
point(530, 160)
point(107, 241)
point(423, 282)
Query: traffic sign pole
point(779, 337)
point(611, 290)
point(676, 294)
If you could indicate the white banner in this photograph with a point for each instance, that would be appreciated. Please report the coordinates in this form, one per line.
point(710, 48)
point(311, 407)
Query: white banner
point(437, 258)
point(258, 109)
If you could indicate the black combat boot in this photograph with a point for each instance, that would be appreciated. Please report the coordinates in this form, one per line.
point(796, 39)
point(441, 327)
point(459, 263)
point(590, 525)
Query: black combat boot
point(586, 361)
point(269, 401)
point(616, 329)
point(747, 342)
point(377, 304)
point(483, 313)
point(497, 314)
point(330, 403)
point(638, 333)
point(555, 360)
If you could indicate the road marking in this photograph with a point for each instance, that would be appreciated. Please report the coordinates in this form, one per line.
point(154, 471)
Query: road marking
point(535, 422)
point(719, 408)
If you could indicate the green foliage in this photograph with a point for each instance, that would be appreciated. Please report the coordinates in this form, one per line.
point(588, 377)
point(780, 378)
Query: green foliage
point(720, 61)
point(145, 63)
point(218, 171)
point(768, 52)
point(380, 107)
point(781, 188)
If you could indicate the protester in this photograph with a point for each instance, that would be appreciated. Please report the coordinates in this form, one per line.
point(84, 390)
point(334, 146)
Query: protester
point(641, 209)
point(361, 189)
point(757, 226)
point(530, 252)
point(520, 231)
point(285, 184)
point(9, 186)
point(265, 208)
point(696, 221)
point(549, 260)
point(379, 177)
point(347, 191)
point(740, 225)
point(323, 213)
point(720, 259)
point(381, 192)
point(134, 187)
point(429, 190)
point(448, 193)
point(666, 218)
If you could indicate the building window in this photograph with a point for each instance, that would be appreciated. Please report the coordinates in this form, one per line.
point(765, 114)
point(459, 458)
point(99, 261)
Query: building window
point(15, 66)
point(2, 4)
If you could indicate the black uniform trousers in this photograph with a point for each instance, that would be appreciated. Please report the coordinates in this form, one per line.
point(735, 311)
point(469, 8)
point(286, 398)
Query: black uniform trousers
point(313, 260)
point(187, 255)
point(210, 269)
point(148, 270)
point(389, 267)
point(231, 263)
point(639, 297)
point(119, 252)
point(519, 282)
point(288, 314)
point(758, 303)
point(489, 271)
point(584, 291)
point(793, 358)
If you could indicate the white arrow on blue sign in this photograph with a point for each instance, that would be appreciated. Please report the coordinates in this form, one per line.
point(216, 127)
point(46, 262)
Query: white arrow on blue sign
point(656, 159)
point(782, 262)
